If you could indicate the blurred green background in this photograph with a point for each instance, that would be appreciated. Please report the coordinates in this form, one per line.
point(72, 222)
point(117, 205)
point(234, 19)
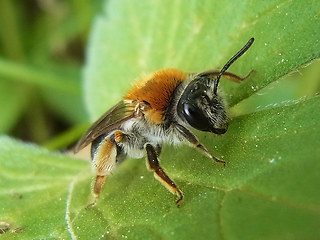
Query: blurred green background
point(42, 53)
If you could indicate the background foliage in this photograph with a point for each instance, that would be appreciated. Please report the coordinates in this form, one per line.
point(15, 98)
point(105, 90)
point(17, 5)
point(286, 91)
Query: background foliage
point(41, 55)
point(269, 188)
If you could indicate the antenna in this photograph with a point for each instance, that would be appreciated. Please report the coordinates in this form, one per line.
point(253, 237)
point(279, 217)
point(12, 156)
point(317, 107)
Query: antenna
point(228, 64)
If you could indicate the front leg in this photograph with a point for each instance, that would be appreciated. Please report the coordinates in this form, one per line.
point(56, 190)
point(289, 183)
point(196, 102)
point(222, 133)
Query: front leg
point(159, 173)
point(195, 142)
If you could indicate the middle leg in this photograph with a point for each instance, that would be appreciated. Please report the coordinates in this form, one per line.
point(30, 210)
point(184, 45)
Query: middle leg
point(159, 173)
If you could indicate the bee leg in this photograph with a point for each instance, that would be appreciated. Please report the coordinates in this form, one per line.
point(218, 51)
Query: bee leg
point(159, 173)
point(195, 142)
point(230, 76)
point(104, 157)
point(99, 182)
point(236, 78)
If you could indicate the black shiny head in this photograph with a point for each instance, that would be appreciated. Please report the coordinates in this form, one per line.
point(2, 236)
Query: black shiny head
point(201, 106)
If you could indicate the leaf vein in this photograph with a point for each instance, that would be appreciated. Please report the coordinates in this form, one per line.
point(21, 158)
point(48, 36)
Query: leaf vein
point(67, 214)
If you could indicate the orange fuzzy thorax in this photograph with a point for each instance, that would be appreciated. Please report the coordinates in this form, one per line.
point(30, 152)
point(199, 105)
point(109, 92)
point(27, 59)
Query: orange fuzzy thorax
point(157, 90)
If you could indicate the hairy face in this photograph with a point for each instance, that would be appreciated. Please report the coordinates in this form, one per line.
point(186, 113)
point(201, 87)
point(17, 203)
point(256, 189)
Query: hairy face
point(201, 108)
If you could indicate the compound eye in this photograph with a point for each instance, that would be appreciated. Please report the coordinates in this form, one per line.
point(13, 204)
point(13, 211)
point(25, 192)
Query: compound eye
point(195, 117)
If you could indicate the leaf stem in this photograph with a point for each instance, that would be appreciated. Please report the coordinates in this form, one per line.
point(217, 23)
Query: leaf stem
point(9, 31)
point(66, 138)
point(25, 73)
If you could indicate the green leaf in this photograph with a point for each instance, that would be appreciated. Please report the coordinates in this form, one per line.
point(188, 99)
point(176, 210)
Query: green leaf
point(294, 86)
point(134, 38)
point(36, 186)
point(269, 188)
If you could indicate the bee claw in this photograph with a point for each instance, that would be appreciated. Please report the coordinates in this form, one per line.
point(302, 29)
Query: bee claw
point(179, 193)
point(91, 204)
point(222, 162)
point(178, 201)
point(218, 160)
point(210, 155)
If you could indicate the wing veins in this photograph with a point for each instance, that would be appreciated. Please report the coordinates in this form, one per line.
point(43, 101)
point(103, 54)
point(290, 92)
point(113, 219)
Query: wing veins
point(112, 119)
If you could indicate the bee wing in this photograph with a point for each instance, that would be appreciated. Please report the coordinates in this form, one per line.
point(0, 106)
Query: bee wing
point(109, 121)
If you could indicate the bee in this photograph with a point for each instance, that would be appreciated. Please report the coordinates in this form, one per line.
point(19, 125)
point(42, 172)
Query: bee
point(161, 108)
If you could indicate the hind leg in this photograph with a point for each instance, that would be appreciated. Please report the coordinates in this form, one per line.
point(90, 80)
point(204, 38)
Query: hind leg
point(104, 158)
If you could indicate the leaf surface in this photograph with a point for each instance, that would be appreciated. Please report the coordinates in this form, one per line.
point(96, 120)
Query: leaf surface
point(133, 39)
point(268, 188)
point(36, 186)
